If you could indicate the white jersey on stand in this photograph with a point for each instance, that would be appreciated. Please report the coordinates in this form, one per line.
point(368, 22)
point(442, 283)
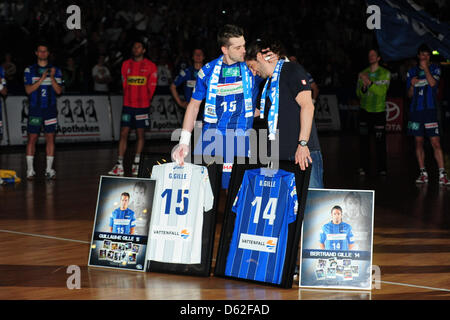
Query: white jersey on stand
point(182, 194)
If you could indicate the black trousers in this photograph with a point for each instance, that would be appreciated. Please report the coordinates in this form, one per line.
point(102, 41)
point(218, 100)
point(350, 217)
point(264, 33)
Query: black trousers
point(372, 124)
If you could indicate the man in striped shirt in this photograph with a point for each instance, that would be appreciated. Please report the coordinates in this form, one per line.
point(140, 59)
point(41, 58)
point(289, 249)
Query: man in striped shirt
point(372, 87)
point(139, 79)
point(43, 82)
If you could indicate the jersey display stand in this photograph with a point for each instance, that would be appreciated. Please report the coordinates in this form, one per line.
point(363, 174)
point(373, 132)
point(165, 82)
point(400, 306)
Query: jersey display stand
point(147, 163)
point(294, 228)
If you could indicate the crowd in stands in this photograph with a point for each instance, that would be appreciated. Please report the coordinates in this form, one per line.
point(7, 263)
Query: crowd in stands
point(328, 37)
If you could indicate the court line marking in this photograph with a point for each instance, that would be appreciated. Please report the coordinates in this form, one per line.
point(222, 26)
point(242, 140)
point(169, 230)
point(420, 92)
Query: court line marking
point(44, 236)
point(87, 242)
point(415, 286)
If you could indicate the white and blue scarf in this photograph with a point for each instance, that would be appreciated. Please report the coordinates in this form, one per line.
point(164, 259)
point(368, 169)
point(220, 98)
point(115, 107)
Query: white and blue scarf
point(210, 114)
point(274, 96)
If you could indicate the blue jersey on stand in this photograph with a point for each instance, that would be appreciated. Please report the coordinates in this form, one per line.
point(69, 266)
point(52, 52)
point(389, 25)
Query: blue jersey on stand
point(337, 236)
point(44, 96)
point(122, 221)
point(265, 205)
point(424, 96)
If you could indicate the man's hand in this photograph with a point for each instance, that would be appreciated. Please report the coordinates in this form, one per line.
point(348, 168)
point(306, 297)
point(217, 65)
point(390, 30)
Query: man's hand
point(364, 78)
point(52, 73)
point(414, 81)
point(303, 157)
point(44, 75)
point(423, 64)
point(179, 153)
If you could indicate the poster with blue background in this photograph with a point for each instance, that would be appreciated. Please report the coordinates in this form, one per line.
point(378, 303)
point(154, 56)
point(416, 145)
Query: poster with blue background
point(337, 239)
point(122, 218)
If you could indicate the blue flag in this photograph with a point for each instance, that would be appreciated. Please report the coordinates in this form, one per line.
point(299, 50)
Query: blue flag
point(404, 26)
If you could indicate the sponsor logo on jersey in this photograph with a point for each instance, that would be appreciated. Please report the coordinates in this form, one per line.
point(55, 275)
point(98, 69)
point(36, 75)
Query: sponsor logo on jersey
point(304, 82)
point(184, 234)
point(190, 83)
point(227, 167)
point(431, 125)
point(122, 222)
point(270, 244)
point(258, 243)
point(169, 233)
point(35, 121)
point(136, 80)
point(336, 236)
point(226, 89)
point(231, 72)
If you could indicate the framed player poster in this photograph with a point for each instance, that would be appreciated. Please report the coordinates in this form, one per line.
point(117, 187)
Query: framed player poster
point(122, 217)
point(262, 223)
point(337, 239)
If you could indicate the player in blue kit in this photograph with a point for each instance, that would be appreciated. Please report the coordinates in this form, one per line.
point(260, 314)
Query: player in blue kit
point(3, 92)
point(43, 82)
point(336, 235)
point(229, 89)
point(265, 205)
point(187, 78)
point(122, 219)
point(422, 84)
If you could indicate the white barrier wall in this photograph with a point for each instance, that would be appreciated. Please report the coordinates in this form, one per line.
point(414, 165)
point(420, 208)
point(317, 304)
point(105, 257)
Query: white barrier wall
point(326, 113)
point(89, 119)
point(80, 119)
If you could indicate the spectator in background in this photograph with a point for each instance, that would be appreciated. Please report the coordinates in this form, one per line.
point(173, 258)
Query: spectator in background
point(10, 69)
point(101, 76)
point(187, 78)
point(164, 69)
point(72, 76)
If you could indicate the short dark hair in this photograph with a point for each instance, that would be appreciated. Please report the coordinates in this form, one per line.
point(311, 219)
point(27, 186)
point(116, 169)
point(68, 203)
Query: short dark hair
point(377, 51)
point(259, 45)
point(228, 31)
point(126, 194)
point(423, 48)
point(42, 43)
point(336, 207)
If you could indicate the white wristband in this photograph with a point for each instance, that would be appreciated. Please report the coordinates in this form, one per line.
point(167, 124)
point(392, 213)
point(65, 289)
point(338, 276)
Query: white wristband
point(185, 137)
point(1, 87)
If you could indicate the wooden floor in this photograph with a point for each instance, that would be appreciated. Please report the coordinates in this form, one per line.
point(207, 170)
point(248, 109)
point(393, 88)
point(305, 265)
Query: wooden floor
point(46, 226)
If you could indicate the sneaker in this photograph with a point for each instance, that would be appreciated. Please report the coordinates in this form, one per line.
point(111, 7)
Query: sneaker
point(135, 169)
point(31, 174)
point(423, 177)
point(361, 172)
point(117, 170)
point(443, 180)
point(51, 174)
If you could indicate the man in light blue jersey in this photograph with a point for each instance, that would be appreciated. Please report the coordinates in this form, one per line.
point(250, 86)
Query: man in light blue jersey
point(422, 83)
point(336, 235)
point(43, 82)
point(122, 219)
point(265, 206)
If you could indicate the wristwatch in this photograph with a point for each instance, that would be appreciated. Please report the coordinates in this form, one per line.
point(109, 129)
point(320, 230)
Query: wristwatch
point(303, 143)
